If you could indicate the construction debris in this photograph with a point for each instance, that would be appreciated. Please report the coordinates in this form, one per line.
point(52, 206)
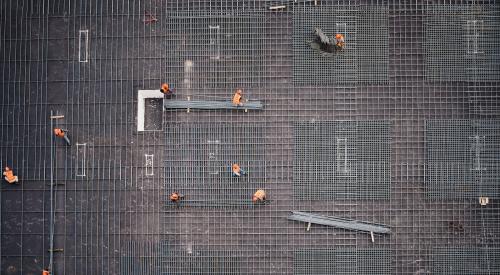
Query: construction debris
point(210, 105)
point(325, 45)
point(340, 223)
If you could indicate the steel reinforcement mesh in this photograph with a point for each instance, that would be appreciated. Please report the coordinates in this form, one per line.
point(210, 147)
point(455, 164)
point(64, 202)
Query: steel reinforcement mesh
point(344, 159)
point(399, 94)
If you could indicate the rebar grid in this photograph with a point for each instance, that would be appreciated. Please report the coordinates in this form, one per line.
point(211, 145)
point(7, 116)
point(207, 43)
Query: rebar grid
point(113, 219)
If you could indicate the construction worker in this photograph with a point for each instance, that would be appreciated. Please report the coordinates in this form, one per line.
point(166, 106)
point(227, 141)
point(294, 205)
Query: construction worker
point(45, 271)
point(339, 41)
point(9, 176)
point(165, 89)
point(259, 196)
point(238, 98)
point(237, 171)
point(176, 197)
point(61, 133)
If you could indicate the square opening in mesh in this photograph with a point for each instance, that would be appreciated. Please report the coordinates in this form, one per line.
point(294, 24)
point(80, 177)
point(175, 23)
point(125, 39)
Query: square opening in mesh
point(199, 158)
point(341, 159)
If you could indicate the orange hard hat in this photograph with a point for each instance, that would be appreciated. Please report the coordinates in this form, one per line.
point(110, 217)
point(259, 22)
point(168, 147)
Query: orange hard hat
point(338, 36)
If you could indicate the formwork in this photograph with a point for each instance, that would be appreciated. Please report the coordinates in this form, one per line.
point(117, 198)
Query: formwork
point(401, 129)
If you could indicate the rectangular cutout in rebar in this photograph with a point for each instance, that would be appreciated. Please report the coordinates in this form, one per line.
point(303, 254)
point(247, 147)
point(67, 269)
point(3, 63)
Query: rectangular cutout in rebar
point(213, 157)
point(476, 148)
point(343, 223)
point(81, 154)
point(474, 29)
point(341, 151)
point(83, 46)
point(214, 43)
point(149, 165)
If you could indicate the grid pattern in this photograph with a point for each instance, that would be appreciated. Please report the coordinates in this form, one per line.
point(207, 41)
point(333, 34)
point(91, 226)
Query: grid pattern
point(217, 50)
point(465, 260)
point(461, 43)
point(116, 196)
point(461, 158)
point(342, 261)
point(202, 169)
point(313, 68)
point(349, 159)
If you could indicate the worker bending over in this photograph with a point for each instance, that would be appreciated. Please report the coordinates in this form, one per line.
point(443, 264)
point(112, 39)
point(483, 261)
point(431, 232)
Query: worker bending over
point(238, 98)
point(9, 176)
point(61, 133)
point(339, 42)
point(165, 89)
point(176, 197)
point(259, 196)
point(237, 171)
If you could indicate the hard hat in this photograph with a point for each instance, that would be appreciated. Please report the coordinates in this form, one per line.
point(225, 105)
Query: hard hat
point(338, 36)
point(164, 86)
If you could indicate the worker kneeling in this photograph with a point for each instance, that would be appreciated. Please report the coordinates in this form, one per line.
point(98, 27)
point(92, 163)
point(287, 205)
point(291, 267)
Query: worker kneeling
point(259, 196)
point(9, 176)
point(237, 171)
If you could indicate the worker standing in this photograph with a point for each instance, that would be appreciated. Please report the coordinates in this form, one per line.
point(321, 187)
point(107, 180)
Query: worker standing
point(165, 89)
point(259, 196)
point(9, 176)
point(237, 171)
point(176, 197)
point(62, 133)
point(339, 42)
point(238, 97)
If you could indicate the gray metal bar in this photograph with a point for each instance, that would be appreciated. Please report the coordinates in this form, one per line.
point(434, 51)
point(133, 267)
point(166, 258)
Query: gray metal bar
point(210, 105)
point(51, 218)
point(340, 222)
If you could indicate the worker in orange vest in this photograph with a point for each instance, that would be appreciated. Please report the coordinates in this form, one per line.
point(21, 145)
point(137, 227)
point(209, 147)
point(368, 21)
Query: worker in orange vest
point(45, 271)
point(165, 89)
point(176, 197)
point(339, 41)
point(238, 97)
point(9, 176)
point(237, 171)
point(259, 196)
point(61, 133)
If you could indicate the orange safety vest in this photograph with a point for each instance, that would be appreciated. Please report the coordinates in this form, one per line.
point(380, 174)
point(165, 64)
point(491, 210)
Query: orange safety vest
point(45, 272)
point(58, 132)
point(9, 175)
point(259, 195)
point(237, 99)
point(165, 88)
point(236, 168)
